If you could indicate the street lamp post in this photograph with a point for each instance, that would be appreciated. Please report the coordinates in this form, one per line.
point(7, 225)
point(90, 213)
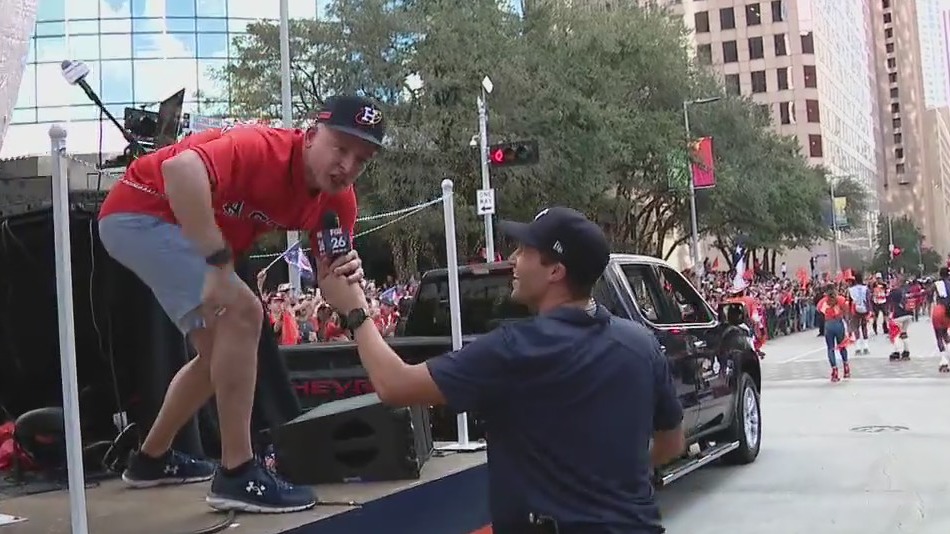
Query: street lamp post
point(486, 89)
point(694, 226)
point(834, 225)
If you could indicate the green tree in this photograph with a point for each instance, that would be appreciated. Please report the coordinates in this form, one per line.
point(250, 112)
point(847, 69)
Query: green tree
point(914, 257)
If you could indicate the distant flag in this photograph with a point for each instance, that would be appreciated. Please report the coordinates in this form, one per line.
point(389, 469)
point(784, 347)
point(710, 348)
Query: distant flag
point(296, 257)
point(739, 260)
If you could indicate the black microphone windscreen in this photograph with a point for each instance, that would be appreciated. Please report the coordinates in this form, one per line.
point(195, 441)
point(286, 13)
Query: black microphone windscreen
point(330, 220)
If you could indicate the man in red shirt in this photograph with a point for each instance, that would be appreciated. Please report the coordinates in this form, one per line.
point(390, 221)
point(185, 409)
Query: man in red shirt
point(176, 219)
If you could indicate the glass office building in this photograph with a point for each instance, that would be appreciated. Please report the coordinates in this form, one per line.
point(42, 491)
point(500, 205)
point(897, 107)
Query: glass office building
point(139, 52)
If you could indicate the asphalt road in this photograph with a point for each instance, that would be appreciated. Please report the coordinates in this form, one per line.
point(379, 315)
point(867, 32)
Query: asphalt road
point(867, 456)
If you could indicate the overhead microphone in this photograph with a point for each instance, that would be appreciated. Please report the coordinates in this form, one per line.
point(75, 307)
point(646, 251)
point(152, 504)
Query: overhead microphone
point(332, 241)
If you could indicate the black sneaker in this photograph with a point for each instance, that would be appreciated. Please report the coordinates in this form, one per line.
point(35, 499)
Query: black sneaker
point(172, 468)
point(258, 490)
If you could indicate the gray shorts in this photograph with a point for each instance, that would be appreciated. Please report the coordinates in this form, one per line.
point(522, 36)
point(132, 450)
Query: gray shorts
point(162, 257)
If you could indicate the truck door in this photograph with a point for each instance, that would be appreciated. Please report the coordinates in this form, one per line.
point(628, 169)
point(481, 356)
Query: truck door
point(641, 302)
point(686, 310)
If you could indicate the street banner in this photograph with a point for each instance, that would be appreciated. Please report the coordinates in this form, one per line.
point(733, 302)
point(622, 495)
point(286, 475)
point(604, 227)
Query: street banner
point(703, 167)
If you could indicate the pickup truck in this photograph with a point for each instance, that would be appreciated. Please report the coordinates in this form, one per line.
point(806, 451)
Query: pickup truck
point(716, 371)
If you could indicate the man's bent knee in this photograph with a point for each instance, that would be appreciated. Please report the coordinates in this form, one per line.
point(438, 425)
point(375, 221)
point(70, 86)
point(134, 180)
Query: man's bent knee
point(245, 313)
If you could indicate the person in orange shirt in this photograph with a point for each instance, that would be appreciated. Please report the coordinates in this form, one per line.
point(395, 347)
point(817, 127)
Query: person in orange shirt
point(834, 308)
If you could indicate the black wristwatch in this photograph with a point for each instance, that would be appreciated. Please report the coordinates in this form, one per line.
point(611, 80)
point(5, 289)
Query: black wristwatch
point(355, 319)
point(220, 257)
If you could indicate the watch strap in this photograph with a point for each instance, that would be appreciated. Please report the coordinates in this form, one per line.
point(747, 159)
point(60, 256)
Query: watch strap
point(220, 257)
point(355, 318)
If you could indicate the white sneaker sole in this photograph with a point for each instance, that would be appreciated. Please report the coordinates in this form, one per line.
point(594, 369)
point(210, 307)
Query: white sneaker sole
point(143, 484)
point(223, 504)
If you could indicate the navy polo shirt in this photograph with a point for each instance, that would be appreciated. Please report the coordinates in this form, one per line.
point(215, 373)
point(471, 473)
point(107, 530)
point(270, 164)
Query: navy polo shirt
point(570, 400)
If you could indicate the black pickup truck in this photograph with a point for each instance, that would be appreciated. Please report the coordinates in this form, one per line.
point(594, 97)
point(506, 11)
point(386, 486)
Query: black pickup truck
point(716, 370)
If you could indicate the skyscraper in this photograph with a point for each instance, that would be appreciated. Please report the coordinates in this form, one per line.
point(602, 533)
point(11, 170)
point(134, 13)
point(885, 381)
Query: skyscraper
point(916, 173)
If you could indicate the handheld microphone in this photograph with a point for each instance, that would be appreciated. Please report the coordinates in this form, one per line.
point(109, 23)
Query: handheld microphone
point(332, 241)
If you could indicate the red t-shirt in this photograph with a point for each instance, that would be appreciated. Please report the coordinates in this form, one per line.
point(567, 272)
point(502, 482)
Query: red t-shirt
point(832, 308)
point(258, 178)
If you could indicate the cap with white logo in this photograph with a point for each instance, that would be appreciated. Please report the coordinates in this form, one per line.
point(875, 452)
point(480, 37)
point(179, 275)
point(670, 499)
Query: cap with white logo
point(577, 243)
point(356, 116)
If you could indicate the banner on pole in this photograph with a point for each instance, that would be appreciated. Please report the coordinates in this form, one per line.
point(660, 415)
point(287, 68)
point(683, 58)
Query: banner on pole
point(840, 212)
point(677, 170)
point(703, 166)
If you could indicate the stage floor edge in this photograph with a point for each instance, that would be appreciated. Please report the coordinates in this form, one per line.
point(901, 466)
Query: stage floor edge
point(451, 497)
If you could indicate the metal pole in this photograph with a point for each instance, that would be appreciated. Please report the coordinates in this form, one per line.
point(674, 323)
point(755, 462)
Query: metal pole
point(834, 227)
point(486, 179)
point(287, 114)
point(694, 226)
point(67, 332)
point(890, 237)
point(455, 310)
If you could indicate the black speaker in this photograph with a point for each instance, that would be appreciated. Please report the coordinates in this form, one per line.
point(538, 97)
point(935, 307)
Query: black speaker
point(354, 439)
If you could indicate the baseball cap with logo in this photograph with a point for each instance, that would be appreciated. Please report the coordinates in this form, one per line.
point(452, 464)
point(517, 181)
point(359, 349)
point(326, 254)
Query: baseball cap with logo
point(356, 116)
point(570, 237)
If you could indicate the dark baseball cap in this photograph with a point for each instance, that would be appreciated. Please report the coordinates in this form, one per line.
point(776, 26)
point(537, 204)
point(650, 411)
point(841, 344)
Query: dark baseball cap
point(577, 243)
point(356, 116)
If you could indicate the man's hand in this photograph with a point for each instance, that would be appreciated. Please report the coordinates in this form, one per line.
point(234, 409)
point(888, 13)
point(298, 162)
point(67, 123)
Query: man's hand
point(337, 289)
point(349, 266)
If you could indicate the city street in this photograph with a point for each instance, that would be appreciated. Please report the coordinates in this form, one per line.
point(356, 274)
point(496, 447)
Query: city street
point(865, 455)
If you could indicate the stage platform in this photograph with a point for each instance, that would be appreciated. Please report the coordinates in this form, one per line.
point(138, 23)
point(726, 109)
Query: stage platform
point(451, 497)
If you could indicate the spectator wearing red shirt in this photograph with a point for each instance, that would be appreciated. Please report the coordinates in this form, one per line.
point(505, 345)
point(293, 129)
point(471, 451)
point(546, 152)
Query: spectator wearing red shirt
point(176, 219)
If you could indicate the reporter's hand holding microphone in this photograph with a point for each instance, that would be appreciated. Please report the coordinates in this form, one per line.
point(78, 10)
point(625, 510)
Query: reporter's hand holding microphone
point(339, 267)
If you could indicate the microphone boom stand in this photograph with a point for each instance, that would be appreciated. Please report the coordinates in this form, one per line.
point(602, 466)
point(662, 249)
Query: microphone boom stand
point(136, 148)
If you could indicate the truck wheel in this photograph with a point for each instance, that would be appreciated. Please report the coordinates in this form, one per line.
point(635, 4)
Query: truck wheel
point(746, 427)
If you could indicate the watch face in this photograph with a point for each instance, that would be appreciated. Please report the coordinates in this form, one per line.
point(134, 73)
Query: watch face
point(355, 318)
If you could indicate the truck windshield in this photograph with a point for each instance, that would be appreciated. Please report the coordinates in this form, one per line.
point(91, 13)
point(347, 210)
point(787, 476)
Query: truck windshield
point(485, 303)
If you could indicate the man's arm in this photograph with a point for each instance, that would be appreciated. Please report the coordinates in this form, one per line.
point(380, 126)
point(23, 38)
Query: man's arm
point(216, 167)
point(188, 188)
point(669, 439)
point(467, 379)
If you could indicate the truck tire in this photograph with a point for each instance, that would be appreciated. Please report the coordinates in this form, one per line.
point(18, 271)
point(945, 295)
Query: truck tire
point(746, 427)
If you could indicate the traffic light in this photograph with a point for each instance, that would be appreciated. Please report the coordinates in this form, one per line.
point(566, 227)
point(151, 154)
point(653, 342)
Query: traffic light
point(515, 153)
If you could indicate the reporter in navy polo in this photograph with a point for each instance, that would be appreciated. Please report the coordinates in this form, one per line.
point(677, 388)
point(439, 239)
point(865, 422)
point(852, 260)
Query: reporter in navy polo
point(571, 397)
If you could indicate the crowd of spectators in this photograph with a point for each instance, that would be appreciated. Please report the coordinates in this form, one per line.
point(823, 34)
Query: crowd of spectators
point(305, 318)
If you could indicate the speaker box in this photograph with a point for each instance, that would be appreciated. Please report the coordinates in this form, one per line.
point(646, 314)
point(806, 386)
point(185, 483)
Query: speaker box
point(354, 439)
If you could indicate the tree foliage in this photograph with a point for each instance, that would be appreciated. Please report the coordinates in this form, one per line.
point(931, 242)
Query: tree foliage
point(602, 92)
point(914, 258)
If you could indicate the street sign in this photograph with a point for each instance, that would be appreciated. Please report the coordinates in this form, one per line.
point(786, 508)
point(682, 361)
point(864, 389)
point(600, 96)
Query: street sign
point(486, 201)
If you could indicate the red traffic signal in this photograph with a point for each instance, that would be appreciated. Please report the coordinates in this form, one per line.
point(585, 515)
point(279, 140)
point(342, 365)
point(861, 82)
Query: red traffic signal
point(516, 153)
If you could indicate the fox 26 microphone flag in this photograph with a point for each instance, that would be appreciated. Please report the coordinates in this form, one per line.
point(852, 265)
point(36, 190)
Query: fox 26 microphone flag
point(296, 257)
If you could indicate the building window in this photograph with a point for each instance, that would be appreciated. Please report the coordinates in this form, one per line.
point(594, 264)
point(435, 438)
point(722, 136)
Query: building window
point(895, 92)
point(898, 138)
point(891, 63)
point(786, 112)
point(814, 146)
point(811, 111)
point(896, 123)
point(888, 33)
point(782, 78)
point(895, 107)
point(753, 14)
point(811, 76)
point(730, 54)
point(899, 168)
point(778, 10)
point(781, 44)
point(756, 48)
point(727, 18)
point(701, 21)
point(899, 153)
point(886, 4)
point(887, 18)
point(808, 43)
point(765, 111)
point(704, 54)
point(733, 87)
point(758, 82)
point(892, 77)
point(889, 48)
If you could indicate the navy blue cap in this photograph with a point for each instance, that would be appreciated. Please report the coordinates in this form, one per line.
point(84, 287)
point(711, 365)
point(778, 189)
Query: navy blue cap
point(570, 237)
point(356, 116)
